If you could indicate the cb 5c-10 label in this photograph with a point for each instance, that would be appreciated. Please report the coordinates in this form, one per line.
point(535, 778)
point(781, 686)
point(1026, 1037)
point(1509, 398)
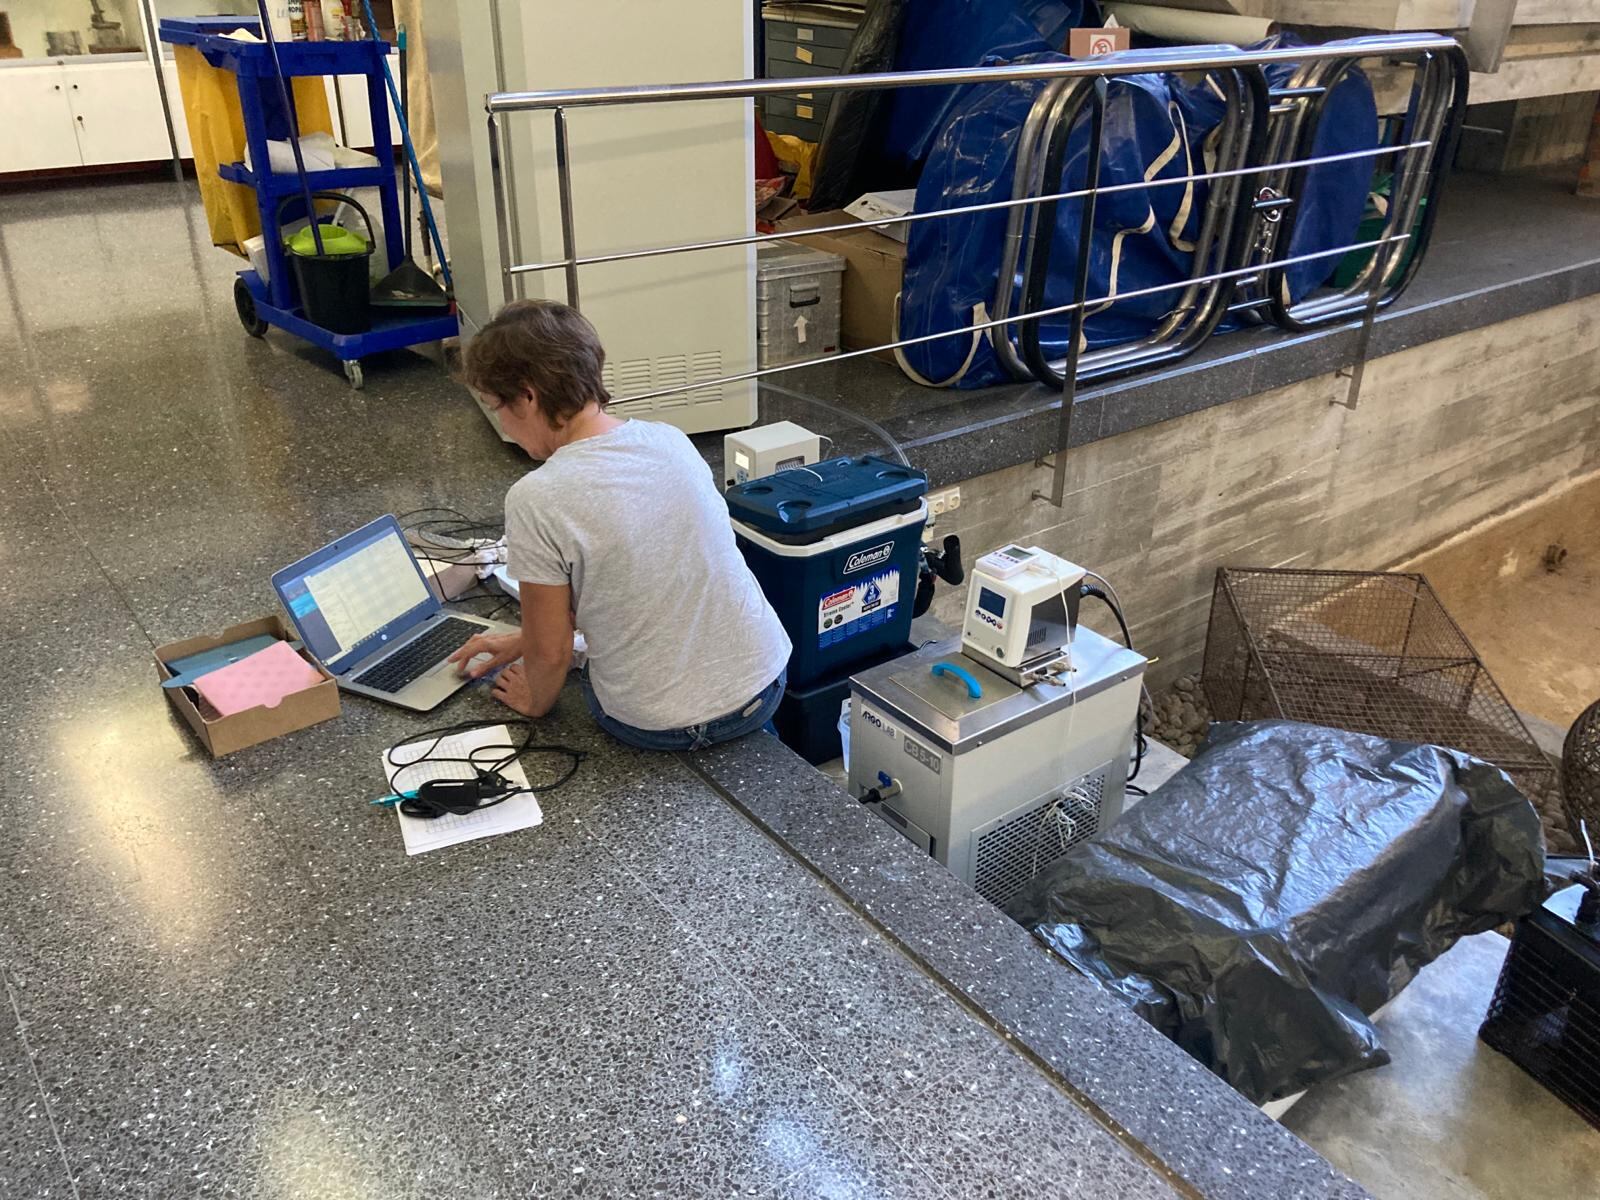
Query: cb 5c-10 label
point(923, 754)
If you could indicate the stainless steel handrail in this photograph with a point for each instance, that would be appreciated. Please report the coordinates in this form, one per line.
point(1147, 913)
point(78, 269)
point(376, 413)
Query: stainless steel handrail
point(911, 218)
point(1128, 62)
point(1205, 295)
point(981, 326)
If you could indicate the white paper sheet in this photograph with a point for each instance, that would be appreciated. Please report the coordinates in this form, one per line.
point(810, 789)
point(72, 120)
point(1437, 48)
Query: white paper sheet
point(424, 834)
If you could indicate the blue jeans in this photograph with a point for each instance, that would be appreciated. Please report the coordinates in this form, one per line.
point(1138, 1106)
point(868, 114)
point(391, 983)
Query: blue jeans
point(747, 718)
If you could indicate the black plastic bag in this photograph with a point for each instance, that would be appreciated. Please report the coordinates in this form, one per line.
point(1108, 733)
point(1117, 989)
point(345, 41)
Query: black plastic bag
point(1288, 882)
point(842, 173)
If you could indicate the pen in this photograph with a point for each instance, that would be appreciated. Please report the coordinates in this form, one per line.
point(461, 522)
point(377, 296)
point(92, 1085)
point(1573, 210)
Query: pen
point(394, 798)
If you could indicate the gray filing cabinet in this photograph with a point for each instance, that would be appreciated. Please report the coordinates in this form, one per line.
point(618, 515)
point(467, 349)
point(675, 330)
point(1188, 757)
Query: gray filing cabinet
point(803, 43)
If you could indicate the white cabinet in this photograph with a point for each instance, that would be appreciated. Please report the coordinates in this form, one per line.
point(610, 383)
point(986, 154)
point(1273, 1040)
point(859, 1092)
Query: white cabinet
point(180, 122)
point(358, 112)
point(117, 111)
point(89, 115)
point(37, 133)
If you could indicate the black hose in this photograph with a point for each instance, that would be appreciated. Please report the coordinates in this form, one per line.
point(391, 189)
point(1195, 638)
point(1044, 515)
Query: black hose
point(1089, 589)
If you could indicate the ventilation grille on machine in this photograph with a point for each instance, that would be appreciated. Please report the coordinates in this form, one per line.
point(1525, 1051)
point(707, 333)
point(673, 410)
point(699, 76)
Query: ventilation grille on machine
point(635, 376)
point(1008, 855)
point(1545, 1015)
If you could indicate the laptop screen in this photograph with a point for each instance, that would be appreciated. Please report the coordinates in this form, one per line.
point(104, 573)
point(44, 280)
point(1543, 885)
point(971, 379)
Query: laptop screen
point(345, 597)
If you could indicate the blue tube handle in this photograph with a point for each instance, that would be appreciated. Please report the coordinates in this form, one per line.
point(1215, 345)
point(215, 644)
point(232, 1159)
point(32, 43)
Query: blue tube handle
point(974, 688)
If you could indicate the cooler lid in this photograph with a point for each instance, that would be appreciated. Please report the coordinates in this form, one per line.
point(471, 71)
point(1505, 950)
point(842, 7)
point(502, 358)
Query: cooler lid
point(815, 501)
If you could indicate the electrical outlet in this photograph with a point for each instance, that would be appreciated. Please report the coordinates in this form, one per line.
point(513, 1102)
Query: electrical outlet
point(948, 500)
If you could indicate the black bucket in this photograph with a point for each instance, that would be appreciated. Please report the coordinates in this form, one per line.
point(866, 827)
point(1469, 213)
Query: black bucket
point(336, 289)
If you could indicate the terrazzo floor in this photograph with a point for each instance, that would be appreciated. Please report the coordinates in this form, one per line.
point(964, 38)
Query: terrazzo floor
point(225, 978)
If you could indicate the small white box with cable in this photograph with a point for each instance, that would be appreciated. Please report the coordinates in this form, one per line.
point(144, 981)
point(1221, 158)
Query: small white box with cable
point(766, 450)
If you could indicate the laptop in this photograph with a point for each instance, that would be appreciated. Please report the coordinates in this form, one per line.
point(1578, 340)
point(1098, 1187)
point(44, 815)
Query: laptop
point(364, 609)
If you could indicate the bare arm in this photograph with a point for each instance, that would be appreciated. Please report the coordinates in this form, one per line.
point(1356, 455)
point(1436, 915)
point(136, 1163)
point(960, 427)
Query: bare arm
point(533, 687)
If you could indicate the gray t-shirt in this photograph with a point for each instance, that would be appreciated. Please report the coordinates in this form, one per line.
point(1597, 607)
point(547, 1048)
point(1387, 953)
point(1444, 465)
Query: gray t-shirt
point(678, 630)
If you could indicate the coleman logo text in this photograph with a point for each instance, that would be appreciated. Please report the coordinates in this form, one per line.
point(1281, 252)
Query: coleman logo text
point(862, 559)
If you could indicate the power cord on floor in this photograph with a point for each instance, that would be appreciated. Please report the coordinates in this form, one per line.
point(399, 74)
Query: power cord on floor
point(488, 787)
point(451, 536)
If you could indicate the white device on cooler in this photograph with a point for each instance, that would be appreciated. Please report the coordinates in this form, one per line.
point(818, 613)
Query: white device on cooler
point(1022, 610)
point(766, 450)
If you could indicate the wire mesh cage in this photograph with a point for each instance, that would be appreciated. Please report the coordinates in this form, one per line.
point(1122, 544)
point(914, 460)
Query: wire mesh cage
point(1369, 651)
point(1580, 769)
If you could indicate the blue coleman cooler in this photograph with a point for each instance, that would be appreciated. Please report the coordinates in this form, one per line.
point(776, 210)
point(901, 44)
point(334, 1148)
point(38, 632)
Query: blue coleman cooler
point(836, 549)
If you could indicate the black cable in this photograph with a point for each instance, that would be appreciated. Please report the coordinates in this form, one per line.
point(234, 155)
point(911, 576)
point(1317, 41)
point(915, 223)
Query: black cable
point(482, 591)
point(1099, 594)
point(489, 787)
point(1089, 589)
point(462, 519)
point(451, 523)
point(457, 526)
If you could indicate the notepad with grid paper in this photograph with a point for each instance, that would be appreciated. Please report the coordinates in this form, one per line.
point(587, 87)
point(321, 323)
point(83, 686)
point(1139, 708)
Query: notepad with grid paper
point(422, 834)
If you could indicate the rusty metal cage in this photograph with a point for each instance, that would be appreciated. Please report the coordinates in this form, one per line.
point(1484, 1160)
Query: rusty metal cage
point(1580, 770)
point(1368, 651)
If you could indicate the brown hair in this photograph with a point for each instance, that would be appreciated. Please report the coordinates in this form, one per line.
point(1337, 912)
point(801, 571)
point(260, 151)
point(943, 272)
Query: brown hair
point(539, 344)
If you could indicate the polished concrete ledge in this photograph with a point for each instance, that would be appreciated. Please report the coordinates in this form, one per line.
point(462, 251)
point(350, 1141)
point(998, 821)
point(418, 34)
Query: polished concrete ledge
point(1152, 1094)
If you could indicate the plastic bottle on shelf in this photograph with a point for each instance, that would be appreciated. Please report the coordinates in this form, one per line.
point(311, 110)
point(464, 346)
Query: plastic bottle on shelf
point(278, 17)
point(333, 20)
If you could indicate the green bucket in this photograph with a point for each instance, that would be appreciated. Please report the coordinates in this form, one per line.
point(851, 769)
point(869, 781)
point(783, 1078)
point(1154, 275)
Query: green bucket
point(336, 285)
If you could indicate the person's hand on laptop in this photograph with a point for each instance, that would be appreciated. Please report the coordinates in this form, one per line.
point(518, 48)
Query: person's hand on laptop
point(511, 689)
point(502, 648)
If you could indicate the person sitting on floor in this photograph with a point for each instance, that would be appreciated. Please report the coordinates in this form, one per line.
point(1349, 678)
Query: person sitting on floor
point(622, 530)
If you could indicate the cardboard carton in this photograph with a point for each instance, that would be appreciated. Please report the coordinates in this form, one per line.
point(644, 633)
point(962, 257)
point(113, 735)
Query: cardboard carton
point(224, 735)
point(874, 268)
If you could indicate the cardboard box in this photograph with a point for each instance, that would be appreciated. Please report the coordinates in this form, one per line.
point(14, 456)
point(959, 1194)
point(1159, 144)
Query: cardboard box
point(224, 735)
point(1093, 42)
point(881, 206)
point(874, 269)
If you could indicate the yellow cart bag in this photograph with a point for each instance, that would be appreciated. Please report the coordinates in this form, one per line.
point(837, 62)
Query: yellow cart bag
point(216, 129)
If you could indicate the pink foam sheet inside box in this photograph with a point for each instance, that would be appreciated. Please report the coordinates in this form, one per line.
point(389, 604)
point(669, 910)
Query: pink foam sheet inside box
point(262, 678)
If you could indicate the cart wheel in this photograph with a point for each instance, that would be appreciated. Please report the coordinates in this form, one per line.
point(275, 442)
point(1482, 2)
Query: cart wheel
point(352, 372)
point(246, 304)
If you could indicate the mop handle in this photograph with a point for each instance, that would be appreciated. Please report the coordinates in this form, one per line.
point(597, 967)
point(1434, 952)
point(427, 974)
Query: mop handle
point(411, 151)
point(294, 128)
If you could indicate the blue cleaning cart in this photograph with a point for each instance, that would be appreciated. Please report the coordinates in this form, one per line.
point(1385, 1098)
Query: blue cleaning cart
point(275, 302)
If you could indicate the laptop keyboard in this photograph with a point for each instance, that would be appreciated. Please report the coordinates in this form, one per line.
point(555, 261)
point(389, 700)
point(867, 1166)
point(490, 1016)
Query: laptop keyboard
point(419, 657)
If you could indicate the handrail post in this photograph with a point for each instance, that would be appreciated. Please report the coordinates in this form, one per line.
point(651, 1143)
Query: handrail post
point(1080, 293)
point(569, 239)
point(501, 210)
